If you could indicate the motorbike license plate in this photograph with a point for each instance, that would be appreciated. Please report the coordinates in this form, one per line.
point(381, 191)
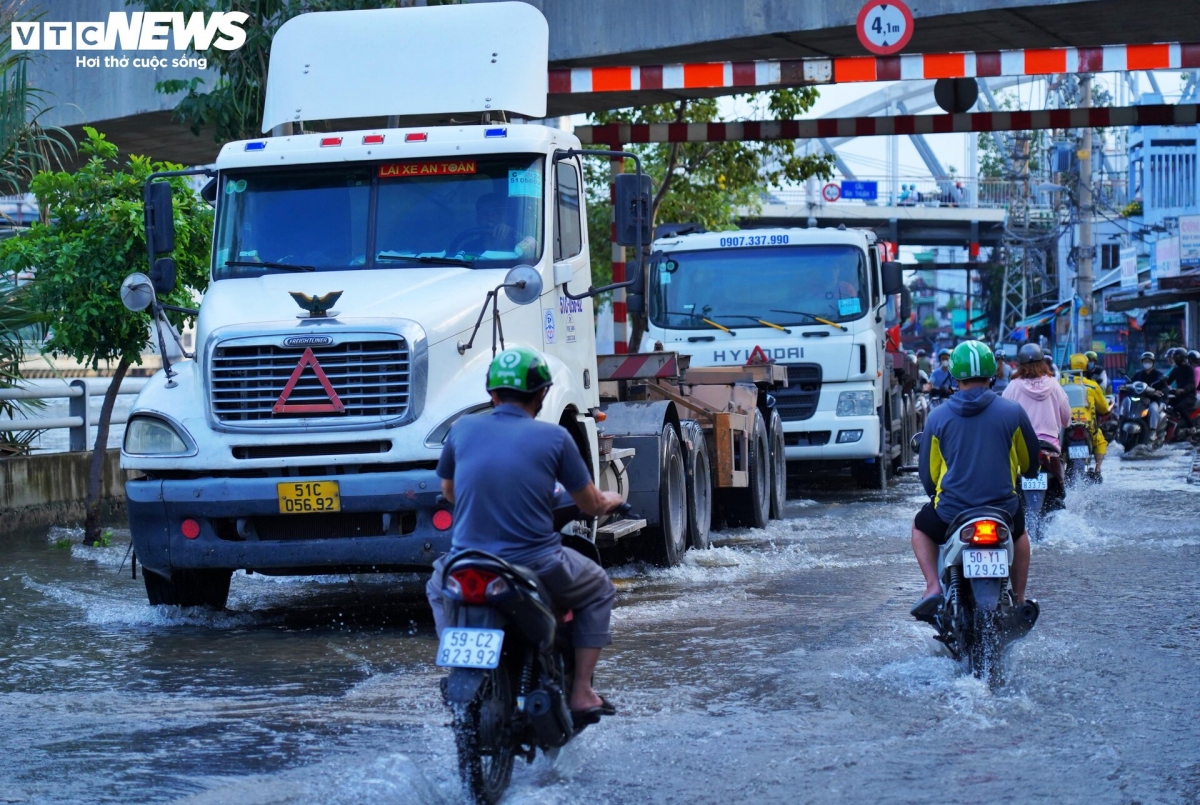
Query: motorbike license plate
point(1040, 483)
point(990, 564)
point(470, 648)
point(309, 497)
point(1078, 451)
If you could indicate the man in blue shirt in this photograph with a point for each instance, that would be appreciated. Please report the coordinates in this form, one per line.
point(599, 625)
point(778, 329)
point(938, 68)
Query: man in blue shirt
point(499, 470)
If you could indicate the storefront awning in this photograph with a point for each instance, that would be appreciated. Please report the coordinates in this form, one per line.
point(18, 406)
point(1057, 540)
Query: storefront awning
point(1171, 291)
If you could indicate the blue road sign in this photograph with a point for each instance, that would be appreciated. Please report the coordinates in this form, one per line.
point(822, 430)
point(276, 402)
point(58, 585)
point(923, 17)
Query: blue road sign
point(863, 191)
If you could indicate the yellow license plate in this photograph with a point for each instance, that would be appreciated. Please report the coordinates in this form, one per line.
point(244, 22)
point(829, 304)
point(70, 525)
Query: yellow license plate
point(309, 497)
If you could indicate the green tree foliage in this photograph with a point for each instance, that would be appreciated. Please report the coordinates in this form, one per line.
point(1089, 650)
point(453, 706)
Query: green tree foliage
point(232, 106)
point(703, 182)
point(93, 238)
point(25, 148)
point(21, 328)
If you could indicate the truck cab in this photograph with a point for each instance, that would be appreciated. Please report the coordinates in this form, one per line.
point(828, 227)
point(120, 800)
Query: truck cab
point(818, 301)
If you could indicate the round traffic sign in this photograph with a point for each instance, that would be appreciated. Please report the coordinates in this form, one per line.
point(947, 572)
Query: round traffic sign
point(885, 26)
point(831, 192)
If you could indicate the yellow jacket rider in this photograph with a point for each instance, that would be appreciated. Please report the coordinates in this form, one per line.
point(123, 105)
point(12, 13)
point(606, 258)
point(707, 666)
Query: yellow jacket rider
point(1097, 406)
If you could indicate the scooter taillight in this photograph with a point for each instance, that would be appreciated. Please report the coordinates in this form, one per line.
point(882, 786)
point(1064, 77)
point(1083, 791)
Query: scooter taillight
point(1079, 433)
point(983, 532)
point(470, 584)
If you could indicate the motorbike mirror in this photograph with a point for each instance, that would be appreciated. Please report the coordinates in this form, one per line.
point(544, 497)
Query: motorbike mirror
point(915, 442)
point(523, 285)
point(137, 292)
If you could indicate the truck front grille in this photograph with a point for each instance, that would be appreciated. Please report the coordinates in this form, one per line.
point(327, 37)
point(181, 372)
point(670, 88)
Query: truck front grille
point(371, 378)
point(799, 400)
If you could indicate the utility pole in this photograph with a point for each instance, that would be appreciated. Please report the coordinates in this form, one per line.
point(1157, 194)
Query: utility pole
point(1087, 248)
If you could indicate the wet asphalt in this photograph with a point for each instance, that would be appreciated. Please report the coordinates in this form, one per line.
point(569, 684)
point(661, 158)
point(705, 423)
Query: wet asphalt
point(780, 666)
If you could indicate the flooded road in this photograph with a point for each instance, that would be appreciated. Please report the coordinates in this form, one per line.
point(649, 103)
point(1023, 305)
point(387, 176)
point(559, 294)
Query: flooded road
point(781, 666)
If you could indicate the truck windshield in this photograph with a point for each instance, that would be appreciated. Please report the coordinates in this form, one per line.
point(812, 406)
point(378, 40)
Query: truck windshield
point(784, 285)
point(481, 212)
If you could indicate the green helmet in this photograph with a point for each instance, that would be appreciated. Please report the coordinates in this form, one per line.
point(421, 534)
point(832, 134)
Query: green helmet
point(519, 369)
point(972, 359)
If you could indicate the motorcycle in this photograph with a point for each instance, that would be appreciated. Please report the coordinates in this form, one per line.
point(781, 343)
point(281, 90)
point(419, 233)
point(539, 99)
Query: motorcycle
point(512, 663)
point(1179, 428)
point(979, 615)
point(1047, 492)
point(1141, 421)
point(1078, 442)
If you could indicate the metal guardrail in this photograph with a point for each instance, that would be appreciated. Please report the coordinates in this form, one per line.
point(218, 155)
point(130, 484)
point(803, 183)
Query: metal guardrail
point(78, 419)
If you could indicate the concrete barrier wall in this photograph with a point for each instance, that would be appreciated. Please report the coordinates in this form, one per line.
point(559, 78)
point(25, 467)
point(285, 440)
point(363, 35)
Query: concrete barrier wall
point(50, 489)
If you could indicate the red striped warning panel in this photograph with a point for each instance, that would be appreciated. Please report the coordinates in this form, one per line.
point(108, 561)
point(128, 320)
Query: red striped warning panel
point(645, 366)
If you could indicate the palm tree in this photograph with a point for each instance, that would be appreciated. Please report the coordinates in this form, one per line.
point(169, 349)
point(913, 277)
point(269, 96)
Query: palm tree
point(21, 327)
point(26, 147)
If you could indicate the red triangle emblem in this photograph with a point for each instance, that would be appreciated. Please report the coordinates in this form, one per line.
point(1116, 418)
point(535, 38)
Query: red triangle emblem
point(334, 406)
point(758, 357)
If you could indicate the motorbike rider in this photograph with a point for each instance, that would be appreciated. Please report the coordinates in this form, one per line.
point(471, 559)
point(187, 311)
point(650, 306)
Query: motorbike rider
point(499, 470)
point(1183, 378)
point(1097, 406)
point(1148, 374)
point(1193, 359)
point(941, 382)
point(923, 362)
point(963, 451)
point(1004, 372)
point(1044, 401)
point(1097, 372)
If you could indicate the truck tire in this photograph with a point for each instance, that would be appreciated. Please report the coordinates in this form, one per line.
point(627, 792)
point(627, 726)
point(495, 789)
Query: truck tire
point(188, 588)
point(666, 543)
point(778, 465)
point(751, 507)
point(699, 487)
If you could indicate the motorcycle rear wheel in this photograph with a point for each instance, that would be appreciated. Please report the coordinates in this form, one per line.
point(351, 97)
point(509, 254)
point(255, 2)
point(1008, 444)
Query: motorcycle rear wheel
point(985, 657)
point(482, 735)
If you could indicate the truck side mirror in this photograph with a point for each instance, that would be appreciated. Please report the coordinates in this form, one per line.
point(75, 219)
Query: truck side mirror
point(160, 218)
point(635, 297)
point(905, 303)
point(893, 278)
point(633, 209)
point(137, 292)
point(209, 192)
point(162, 275)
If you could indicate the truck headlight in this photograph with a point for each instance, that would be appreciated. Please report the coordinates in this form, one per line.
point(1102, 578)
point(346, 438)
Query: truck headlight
point(856, 403)
point(150, 436)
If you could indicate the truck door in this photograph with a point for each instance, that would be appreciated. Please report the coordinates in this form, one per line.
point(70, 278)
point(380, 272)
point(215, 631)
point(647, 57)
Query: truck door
point(568, 331)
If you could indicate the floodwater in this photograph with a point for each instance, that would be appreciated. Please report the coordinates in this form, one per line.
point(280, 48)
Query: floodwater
point(780, 666)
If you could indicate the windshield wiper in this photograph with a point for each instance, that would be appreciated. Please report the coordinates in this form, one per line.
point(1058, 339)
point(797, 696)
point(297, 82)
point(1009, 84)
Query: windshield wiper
point(434, 261)
point(709, 322)
point(817, 319)
point(763, 322)
point(257, 264)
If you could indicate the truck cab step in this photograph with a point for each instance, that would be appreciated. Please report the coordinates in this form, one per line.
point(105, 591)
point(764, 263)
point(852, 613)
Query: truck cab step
point(608, 534)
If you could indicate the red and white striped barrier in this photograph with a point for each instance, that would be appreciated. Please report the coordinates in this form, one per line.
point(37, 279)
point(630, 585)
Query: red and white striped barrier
point(794, 72)
point(619, 134)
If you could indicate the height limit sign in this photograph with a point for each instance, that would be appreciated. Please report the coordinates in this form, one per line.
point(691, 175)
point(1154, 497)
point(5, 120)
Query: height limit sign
point(884, 28)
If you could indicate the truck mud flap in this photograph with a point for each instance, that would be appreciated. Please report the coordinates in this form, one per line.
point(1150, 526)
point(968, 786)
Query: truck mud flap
point(986, 593)
point(639, 425)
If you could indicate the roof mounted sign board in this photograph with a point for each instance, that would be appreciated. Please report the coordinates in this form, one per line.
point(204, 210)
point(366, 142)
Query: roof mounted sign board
point(885, 26)
point(436, 60)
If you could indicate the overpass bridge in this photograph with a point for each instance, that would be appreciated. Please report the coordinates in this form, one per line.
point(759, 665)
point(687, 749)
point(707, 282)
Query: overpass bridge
point(123, 104)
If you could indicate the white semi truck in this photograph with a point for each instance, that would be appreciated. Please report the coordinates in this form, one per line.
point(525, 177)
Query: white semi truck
point(361, 281)
point(818, 301)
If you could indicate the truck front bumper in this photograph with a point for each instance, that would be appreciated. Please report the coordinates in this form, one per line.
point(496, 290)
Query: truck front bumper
point(816, 438)
point(385, 523)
